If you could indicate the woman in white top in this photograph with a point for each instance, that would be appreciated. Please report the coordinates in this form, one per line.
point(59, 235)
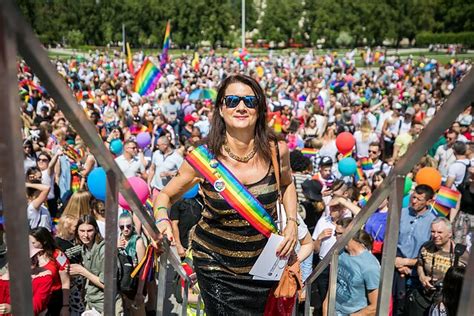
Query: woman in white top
point(46, 164)
point(329, 142)
point(390, 131)
point(364, 137)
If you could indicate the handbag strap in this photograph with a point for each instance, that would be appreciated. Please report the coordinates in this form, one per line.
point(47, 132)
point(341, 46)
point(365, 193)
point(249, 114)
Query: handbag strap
point(276, 165)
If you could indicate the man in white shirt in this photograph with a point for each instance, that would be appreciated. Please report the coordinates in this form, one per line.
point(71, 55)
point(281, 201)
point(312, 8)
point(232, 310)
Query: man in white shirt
point(164, 164)
point(444, 155)
point(458, 169)
point(131, 163)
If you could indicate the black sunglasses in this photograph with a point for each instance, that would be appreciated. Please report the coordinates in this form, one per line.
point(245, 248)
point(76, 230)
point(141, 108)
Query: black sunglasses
point(129, 227)
point(231, 101)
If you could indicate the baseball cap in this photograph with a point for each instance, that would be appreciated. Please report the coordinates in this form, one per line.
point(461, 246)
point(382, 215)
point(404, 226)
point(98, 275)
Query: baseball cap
point(312, 190)
point(189, 118)
point(410, 111)
point(325, 161)
point(466, 120)
point(34, 250)
point(397, 106)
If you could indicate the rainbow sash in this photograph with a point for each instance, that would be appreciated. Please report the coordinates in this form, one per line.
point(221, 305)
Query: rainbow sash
point(234, 192)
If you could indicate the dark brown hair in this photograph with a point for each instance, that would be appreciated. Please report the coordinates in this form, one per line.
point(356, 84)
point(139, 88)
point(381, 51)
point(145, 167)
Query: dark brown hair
point(263, 135)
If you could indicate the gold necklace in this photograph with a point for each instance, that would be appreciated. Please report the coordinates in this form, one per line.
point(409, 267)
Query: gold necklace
point(245, 158)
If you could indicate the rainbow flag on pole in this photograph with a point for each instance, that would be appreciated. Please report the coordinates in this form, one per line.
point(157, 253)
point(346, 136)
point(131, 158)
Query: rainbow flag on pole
point(359, 175)
point(447, 197)
point(440, 210)
point(166, 46)
point(146, 78)
point(309, 152)
point(130, 60)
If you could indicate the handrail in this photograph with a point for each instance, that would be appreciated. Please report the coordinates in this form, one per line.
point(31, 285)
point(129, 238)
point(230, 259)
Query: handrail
point(461, 97)
point(36, 57)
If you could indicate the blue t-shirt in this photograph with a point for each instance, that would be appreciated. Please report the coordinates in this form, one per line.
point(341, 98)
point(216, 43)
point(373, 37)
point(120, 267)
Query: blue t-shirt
point(415, 230)
point(376, 224)
point(355, 276)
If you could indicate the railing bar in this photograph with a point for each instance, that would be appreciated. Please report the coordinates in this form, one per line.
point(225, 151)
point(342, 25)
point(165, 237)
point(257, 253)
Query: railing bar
point(198, 307)
point(379, 195)
point(466, 301)
point(185, 298)
point(36, 57)
point(160, 301)
point(307, 302)
point(332, 283)
point(390, 246)
point(13, 176)
point(111, 207)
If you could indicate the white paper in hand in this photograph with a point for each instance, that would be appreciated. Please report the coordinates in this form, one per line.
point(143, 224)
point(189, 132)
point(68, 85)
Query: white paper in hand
point(268, 266)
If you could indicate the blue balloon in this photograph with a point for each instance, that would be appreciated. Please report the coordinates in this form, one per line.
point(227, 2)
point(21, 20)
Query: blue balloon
point(96, 181)
point(347, 166)
point(116, 146)
point(406, 201)
point(191, 192)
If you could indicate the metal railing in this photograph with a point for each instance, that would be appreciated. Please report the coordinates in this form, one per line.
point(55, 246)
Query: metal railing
point(393, 186)
point(17, 36)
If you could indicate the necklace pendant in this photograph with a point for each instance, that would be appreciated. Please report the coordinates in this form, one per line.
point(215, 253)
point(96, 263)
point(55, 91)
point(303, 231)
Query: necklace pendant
point(219, 185)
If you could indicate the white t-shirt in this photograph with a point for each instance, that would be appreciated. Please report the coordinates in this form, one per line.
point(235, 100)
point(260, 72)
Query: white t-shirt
point(49, 181)
point(457, 170)
point(445, 157)
point(362, 146)
point(39, 217)
point(327, 243)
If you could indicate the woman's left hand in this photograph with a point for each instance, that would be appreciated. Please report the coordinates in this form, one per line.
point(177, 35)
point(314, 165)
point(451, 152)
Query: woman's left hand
point(76, 269)
point(291, 237)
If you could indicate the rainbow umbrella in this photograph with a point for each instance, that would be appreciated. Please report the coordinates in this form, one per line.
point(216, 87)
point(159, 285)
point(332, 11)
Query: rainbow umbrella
point(203, 94)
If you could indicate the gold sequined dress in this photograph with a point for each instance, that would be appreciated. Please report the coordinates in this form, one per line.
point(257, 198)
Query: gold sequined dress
point(225, 247)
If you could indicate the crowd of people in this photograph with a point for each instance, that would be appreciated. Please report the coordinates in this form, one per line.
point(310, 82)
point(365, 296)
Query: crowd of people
point(300, 104)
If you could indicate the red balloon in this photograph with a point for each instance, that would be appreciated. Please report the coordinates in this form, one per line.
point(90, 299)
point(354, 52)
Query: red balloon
point(345, 142)
point(429, 176)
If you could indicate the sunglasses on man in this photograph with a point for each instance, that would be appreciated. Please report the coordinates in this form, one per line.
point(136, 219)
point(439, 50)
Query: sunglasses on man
point(232, 101)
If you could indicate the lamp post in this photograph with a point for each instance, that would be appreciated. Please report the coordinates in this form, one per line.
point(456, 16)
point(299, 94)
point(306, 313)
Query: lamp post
point(243, 24)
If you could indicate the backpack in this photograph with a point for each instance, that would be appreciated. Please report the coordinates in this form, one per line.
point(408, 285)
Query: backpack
point(125, 283)
point(466, 175)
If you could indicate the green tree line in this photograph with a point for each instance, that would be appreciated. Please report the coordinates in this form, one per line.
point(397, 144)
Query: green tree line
point(333, 23)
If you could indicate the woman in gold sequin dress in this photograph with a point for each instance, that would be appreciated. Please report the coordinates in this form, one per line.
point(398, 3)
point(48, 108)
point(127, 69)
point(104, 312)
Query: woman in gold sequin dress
point(225, 246)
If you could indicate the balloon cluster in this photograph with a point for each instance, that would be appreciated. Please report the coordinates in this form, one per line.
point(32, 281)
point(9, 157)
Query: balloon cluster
point(242, 56)
point(345, 142)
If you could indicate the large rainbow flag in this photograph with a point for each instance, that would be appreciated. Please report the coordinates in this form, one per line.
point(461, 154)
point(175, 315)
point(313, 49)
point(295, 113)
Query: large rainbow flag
point(166, 46)
point(146, 78)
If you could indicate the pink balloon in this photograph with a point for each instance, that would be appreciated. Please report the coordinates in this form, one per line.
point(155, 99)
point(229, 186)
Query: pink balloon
point(141, 190)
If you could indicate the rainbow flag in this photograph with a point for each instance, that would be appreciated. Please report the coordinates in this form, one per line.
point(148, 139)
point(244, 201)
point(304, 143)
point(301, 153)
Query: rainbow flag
point(366, 163)
point(146, 78)
point(346, 155)
point(237, 195)
point(447, 197)
point(309, 152)
point(359, 175)
point(277, 124)
point(149, 204)
point(440, 210)
point(166, 46)
point(130, 60)
point(195, 62)
point(363, 200)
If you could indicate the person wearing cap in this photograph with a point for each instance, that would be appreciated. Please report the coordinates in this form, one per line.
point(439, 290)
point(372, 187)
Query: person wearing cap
point(325, 175)
point(391, 129)
point(187, 129)
point(465, 124)
point(404, 140)
point(407, 121)
point(41, 283)
point(444, 155)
